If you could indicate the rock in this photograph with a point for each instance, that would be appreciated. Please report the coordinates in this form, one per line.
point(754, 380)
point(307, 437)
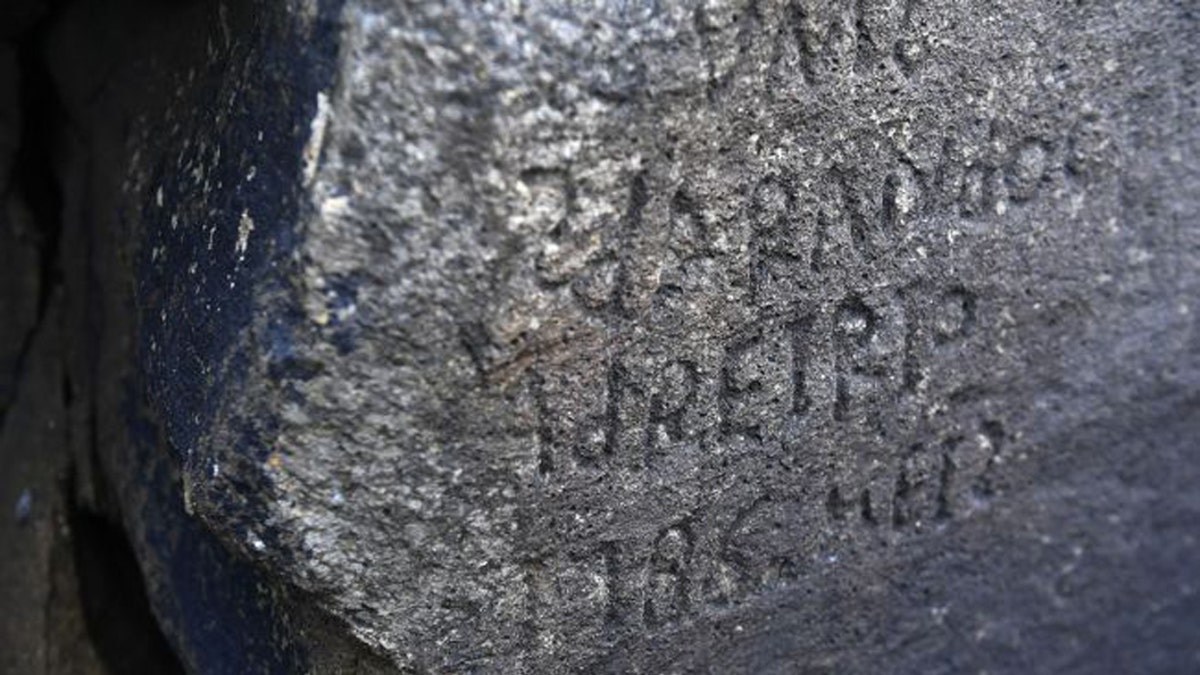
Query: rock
point(19, 270)
point(30, 442)
point(19, 17)
point(660, 336)
point(24, 506)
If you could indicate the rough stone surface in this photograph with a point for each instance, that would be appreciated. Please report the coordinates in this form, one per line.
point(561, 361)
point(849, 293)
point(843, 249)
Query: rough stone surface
point(94, 517)
point(56, 561)
point(165, 76)
point(730, 336)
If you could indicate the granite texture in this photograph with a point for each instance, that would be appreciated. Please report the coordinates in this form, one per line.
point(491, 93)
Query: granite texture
point(649, 336)
point(731, 336)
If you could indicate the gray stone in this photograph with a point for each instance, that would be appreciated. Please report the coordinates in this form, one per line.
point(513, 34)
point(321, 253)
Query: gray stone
point(19, 275)
point(671, 336)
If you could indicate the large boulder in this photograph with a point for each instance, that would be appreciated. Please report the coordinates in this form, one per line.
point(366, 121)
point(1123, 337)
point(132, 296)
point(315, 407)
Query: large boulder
point(735, 336)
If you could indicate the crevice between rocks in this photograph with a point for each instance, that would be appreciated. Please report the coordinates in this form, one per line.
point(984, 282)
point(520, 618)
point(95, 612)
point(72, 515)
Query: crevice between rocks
point(66, 553)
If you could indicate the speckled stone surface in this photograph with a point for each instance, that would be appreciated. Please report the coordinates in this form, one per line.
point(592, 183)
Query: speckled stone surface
point(676, 336)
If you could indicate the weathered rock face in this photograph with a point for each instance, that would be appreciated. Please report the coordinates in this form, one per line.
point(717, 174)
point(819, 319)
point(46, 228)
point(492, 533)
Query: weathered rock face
point(138, 91)
point(741, 336)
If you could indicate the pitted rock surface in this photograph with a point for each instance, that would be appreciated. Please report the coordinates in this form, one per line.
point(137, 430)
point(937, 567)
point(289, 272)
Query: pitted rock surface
point(726, 335)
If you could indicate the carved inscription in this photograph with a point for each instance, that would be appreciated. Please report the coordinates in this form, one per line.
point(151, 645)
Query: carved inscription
point(711, 561)
point(760, 328)
point(821, 41)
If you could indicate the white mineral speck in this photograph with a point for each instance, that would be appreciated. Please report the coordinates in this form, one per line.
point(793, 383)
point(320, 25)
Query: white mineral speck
point(245, 227)
point(316, 137)
point(335, 206)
